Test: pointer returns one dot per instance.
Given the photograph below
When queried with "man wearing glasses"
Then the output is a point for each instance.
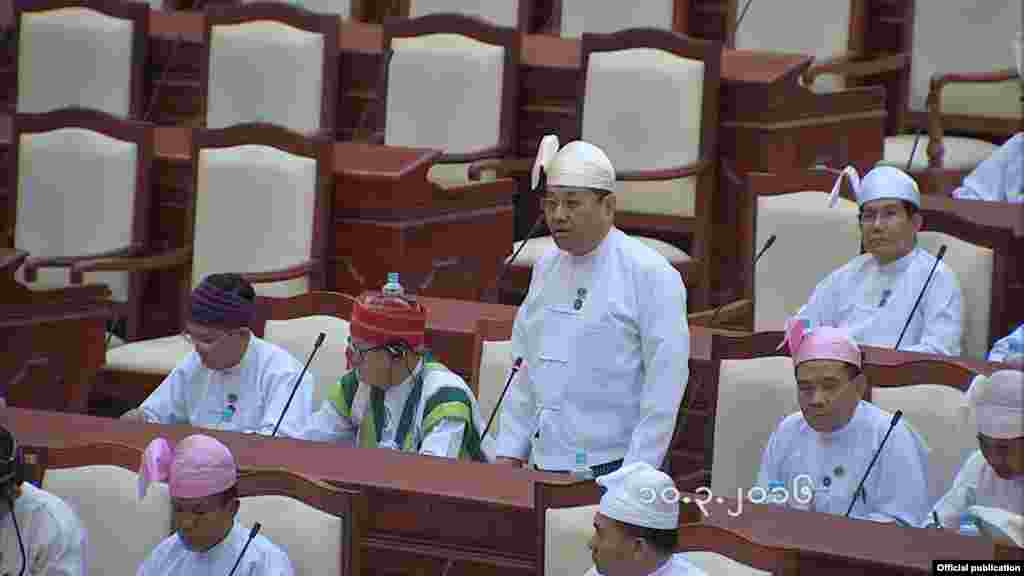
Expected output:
(232, 380)
(872, 295)
(394, 395)
(602, 332)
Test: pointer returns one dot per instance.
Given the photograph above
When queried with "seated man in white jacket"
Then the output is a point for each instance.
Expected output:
(834, 436)
(207, 541)
(232, 380)
(993, 476)
(51, 533)
(636, 526)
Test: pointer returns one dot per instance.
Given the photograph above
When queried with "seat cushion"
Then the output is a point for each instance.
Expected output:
(566, 533)
(495, 364)
(959, 153)
(156, 356)
(298, 335)
(536, 248)
(312, 539)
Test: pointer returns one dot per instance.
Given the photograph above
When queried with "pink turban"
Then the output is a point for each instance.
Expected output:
(821, 343)
(199, 466)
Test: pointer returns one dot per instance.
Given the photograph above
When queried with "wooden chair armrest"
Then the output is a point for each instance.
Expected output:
(11, 259)
(176, 257)
(502, 167)
(32, 265)
(298, 271)
(855, 65)
(938, 81)
(665, 173)
(738, 312)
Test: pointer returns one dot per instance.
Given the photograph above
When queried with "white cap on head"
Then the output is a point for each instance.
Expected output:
(642, 496)
(578, 164)
(881, 182)
(998, 402)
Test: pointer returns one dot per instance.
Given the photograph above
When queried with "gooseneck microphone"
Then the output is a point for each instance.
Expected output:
(495, 286)
(515, 368)
(860, 486)
(17, 533)
(319, 341)
(913, 149)
(767, 244)
(942, 252)
(252, 534)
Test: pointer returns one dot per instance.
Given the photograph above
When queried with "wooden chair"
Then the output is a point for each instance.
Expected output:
(931, 395)
(100, 483)
(81, 54)
(663, 153)
(281, 178)
(249, 69)
(319, 526)
(515, 14)
(719, 550)
(80, 190)
(450, 82)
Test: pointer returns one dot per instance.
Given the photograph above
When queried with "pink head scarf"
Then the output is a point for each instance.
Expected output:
(199, 466)
(821, 343)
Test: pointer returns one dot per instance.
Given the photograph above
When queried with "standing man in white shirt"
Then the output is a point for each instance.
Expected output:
(602, 333)
(232, 380)
(43, 536)
(872, 295)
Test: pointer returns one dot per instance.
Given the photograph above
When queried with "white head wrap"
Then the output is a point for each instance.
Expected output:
(998, 402)
(578, 164)
(642, 496)
(880, 182)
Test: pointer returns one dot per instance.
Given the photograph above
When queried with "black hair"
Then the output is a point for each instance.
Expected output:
(233, 284)
(910, 207)
(6, 444)
(663, 541)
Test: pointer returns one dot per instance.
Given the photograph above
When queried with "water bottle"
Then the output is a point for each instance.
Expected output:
(392, 294)
(392, 287)
(580, 470)
(968, 526)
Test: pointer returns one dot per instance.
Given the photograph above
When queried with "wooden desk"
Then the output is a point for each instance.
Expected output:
(52, 341)
(427, 511)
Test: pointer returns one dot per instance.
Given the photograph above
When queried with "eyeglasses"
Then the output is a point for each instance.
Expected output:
(200, 509)
(356, 355)
(886, 216)
(551, 203)
(206, 343)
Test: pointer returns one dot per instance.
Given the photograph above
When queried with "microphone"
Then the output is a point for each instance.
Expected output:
(541, 185)
(17, 532)
(298, 382)
(252, 534)
(860, 487)
(743, 14)
(515, 368)
(913, 149)
(767, 244)
(942, 252)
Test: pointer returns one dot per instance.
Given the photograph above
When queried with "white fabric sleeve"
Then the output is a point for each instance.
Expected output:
(518, 411)
(665, 347)
(167, 404)
(822, 303)
(327, 425)
(902, 487)
(445, 439)
(276, 387)
(990, 179)
(1011, 344)
(962, 494)
(942, 316)
(56, 546)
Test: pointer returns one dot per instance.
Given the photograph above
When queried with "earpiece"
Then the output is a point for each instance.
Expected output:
(395, 349)
(12, 468)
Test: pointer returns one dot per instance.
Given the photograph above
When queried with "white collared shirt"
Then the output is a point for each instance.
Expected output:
(977, 484)
(1008, 347)
(54, 538)
(873, 301)
(262, 557)
(677, 565)
(1000, 177)
(248, 397)
(830, 465)
(606, 348)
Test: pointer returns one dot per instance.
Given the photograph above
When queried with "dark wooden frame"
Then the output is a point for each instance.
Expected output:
(479, 30)
(113, 127)
(349, 505)
(667, 227)
(136, 12)
(915, 372)
(324, 24)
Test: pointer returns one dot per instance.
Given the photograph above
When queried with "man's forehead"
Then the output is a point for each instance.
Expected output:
(568, 191)
(196, 328)
(819, 369)
(883, 204)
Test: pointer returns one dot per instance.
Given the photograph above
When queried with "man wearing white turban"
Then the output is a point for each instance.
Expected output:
(993, 476)
(602, 333)
(872, 295)
(637, 525)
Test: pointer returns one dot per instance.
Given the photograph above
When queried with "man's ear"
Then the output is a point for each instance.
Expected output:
(610, 204)
(917, 221)
(233, 507)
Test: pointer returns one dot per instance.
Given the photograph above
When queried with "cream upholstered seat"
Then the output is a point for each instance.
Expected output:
(579, 16)
(754, 395)
(812, 240)
(251, 68)
(961, 153)
(121, 531)
(80, 57)
(566, 533)
(312, 539)
(972, 265)
(495, 364)
(447, 91)
(298, 336)
(499, 12)
(156, 356)
(942, 416)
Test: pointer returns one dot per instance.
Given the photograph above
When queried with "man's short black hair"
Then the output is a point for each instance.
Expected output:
(233, 284)
(663, 541)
